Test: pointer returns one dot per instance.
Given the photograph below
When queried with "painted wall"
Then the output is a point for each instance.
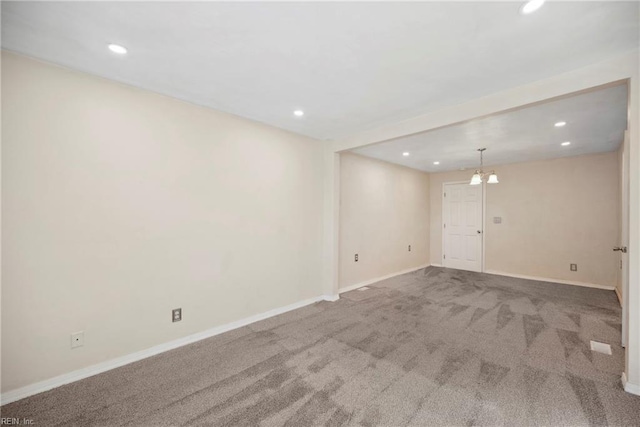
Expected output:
(384, 208)
(554, 213)
(120, 205)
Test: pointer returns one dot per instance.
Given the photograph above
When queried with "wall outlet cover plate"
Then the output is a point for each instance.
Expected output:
(77, 339)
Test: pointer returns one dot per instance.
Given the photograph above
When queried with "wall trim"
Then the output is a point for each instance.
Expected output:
(628, 387)
(546, 279)
(79, 374)
(377, 279)
(437, 265)
(619, 295)
(89, 371)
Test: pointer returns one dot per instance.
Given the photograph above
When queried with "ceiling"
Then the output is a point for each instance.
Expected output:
(351, 66)
(595, 123)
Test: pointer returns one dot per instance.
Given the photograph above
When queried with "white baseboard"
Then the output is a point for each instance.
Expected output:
(619, 296)
(39, 387)
(546, 279)
(628, 387)
(331, 298)
(436, 265)
(377, 279)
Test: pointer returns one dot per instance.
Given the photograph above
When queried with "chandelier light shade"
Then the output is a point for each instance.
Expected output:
(479, 174)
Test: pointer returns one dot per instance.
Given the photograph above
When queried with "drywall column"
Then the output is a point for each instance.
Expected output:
(633, 300)
(331, 223)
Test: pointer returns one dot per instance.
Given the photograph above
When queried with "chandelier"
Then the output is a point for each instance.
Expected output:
(479, 174)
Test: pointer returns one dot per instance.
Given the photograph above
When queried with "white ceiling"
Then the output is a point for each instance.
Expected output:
(595, 120)
(349, 66)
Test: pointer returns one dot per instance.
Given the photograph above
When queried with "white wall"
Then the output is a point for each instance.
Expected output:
(384, 208)
(554, 213)
(120, 205)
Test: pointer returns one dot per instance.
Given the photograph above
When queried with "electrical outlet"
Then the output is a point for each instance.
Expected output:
(573, 267)
(356, 258)
(77, 339)
(409, 248)
(176, 314)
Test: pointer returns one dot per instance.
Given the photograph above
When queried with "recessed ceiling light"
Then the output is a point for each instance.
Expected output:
(436, 163)
(531, 6)
(116, 48)
(298, 113)
(406, 153)
(560, 124)
(564, 144)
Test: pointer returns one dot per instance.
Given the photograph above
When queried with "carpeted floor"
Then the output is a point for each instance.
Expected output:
(435, 347)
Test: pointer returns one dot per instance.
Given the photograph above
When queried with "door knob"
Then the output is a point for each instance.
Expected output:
(622, 249)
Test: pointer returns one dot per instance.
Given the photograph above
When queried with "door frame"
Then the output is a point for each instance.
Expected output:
(482, 221)
(624, 235)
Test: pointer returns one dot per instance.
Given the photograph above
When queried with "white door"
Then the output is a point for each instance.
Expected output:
(462, 226)
(624, 237)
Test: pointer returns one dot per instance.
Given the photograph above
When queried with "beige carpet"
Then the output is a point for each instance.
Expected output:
(435, 347)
